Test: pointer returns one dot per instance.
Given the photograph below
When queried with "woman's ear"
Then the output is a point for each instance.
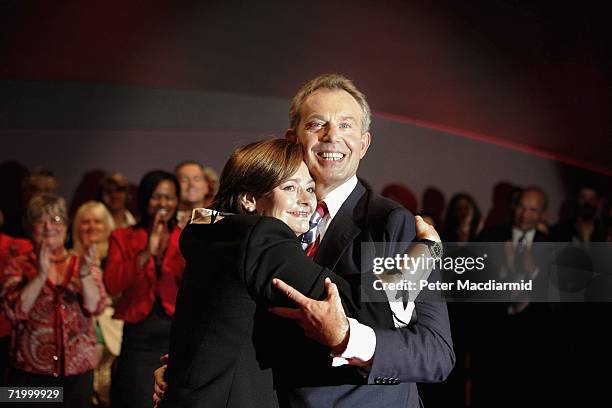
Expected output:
(248, 203)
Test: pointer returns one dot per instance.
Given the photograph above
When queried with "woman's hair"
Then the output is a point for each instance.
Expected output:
(111, 181)
(212, 178)
(146, 188)
(107, 220)
(42, 204)
(257, 169)
(451, 223)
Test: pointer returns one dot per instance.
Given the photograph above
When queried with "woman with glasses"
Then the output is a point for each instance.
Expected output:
(50, 296)
(143, 270)
(114, 193)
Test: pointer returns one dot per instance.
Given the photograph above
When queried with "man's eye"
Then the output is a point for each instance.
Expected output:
(345, 125)
(315, 125)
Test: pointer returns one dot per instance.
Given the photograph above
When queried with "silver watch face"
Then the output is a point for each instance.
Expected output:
(436, 249)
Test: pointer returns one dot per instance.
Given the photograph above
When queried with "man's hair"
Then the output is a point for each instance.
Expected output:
(187, 163)
(37, 172)
(257, 169)
(539, 191)
(333, 82)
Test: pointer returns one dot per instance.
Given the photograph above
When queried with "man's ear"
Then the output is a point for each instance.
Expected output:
(291, 135)
(366, 138)
(248, 203)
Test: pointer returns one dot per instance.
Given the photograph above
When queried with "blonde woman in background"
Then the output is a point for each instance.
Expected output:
(212, 178)
(91, 229)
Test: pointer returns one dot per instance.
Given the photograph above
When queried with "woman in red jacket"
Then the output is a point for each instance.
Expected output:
(143, 269)
(9, 248)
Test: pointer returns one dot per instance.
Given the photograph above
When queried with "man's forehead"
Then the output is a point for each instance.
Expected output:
(190, 168)
(532, 198)
(325, 101)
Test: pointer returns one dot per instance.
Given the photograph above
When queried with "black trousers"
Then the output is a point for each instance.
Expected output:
(77, 388)
(141, 347)
(5, 343)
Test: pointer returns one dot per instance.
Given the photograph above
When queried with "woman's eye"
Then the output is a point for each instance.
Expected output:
(289, 188)
(311, 190)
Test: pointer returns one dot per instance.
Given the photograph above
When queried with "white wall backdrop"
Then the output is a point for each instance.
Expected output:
(73, 128)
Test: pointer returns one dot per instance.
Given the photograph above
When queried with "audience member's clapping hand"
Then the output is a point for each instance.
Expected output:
(91, 255)
(44, 261)
(528, 264)
(323, 321)
(160, 382)
(158, 239)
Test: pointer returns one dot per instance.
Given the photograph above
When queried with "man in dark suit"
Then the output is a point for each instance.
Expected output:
(528, 213)
(514, 347)
(391, 346)
(387, 352)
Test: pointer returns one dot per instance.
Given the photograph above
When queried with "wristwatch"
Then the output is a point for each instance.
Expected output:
(435, 248)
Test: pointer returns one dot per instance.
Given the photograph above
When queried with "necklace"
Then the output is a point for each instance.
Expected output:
(60, 260)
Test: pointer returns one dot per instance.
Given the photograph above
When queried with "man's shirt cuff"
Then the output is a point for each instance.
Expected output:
(360, 348)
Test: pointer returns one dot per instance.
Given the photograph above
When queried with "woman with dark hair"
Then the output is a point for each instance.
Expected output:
(113, 191)
(462, 222)
(233, 252)
(143, 269)
(223, 342)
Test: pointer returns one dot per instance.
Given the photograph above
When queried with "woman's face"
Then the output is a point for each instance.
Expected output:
(164, 201)
(115, 197)
(91, 228)
(292, 202)
(49, 230)
(464, 211)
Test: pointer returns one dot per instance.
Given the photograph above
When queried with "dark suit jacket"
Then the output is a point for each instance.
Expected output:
(503, 233)
(230, 265)
(421, 352)
(511, 354)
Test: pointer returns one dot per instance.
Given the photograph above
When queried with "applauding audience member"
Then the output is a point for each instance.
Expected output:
(194, 189)
(585, 226)
(9, 247)
(113, 192)
(50, 295)
(91, 230)
(462, 222)
(143, 269)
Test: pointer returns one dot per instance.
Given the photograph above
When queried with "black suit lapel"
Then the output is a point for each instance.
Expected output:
(343, 229)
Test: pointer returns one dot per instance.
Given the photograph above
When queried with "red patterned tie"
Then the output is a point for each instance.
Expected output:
(321, 211)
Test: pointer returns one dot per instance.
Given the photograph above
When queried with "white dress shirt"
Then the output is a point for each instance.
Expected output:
(362, 339)
(518, 233)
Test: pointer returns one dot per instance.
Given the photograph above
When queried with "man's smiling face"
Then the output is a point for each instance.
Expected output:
(330, 133)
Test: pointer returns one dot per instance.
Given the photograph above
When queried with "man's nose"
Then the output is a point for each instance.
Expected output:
(331, 133)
